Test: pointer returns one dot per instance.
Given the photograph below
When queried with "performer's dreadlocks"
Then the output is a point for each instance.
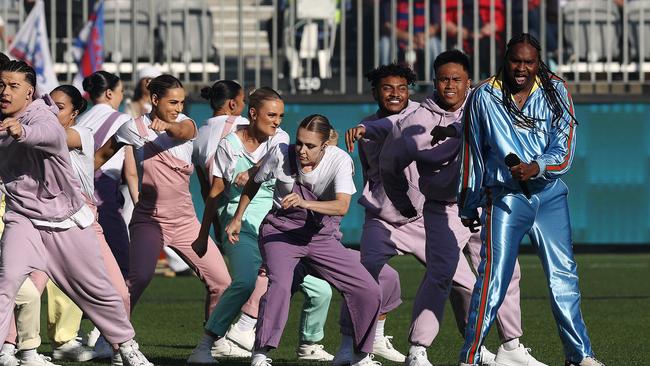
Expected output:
(558, 106)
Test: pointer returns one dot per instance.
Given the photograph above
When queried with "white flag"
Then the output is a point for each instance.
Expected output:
(31, 45)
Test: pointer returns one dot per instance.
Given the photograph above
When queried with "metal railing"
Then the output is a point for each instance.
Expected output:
(326, 46)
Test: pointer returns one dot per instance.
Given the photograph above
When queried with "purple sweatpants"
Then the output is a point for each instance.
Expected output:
(109, 210)
(391, 293)
(381, 241)
(73, 261)
(339, 266)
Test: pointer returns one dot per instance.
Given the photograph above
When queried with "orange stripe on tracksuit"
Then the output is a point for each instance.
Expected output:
(486, 279)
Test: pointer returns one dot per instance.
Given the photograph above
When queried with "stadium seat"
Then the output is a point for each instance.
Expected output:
(187, 23)
(118, 34)
(585, 43)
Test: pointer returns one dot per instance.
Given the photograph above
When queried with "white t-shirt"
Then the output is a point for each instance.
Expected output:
(205, 145)
(83, 160)
(332, 175)
(93, 119)
(225, 160)
(128, 134)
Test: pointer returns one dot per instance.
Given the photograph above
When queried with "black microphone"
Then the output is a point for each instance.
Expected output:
(513, 160)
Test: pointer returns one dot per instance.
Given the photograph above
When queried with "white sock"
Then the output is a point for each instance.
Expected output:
(379, 331)
(8, 349)
(246, 323)
(28, 353)
(346, 342)
(207, 341)
(417, 349)
(512, 344)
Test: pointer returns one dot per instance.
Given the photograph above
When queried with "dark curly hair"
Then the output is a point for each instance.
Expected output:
(393, 69)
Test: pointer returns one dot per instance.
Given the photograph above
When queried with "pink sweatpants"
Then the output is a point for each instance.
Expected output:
(73, 261)
(173, 224)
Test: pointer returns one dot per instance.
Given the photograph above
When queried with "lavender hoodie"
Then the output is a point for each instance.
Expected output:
(35, 169)
(437, 165)
(374, 198)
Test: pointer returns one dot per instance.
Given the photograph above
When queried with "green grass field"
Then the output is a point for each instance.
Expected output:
(615, 304)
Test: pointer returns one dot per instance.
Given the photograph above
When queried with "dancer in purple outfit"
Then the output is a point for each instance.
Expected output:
(313, 188)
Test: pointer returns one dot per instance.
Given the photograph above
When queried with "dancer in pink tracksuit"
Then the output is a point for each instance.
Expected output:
(164, 214)
(82, 152)
(103, 120)
(437, 162)
(313, 188)
(47, 222)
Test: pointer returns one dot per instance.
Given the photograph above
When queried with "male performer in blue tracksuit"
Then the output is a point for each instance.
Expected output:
(524, 110)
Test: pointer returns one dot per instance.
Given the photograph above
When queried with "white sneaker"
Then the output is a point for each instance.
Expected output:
(517, 357)
(131, 355)
(116, 360)
(487, 357)
(343, 356)
(38, 360)
(260, 360)
(417, 359)
(103, 349)
(201, 356)
(367, 361)
(73, 350)
(587, 361)
(384, 348)
(8, 360)
(225, 348)
(313, 352)
(92, 336)
(245, 339)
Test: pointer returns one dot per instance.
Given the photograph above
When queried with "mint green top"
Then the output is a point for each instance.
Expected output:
(258, 207)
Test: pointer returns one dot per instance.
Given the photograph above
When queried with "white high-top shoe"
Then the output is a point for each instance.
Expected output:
(131, 355)
(244, 339)
(38, 360)
(417, 359)
(519, 356)
(367, 361)
(313, 352)
(225, 348)
(384, 348)
(73, 350)
(8, 360)
(487, 357)
(260, 360)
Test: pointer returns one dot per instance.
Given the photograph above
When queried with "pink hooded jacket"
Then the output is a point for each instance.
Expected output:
(437, 165)
(374, 198)
(35, 170)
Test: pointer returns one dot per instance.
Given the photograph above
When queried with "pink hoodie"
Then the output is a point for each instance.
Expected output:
(411, 142)
(35, 169)
(374, 198)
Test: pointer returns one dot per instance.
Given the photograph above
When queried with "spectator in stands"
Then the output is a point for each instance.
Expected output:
(422, 33)
(484, 33)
